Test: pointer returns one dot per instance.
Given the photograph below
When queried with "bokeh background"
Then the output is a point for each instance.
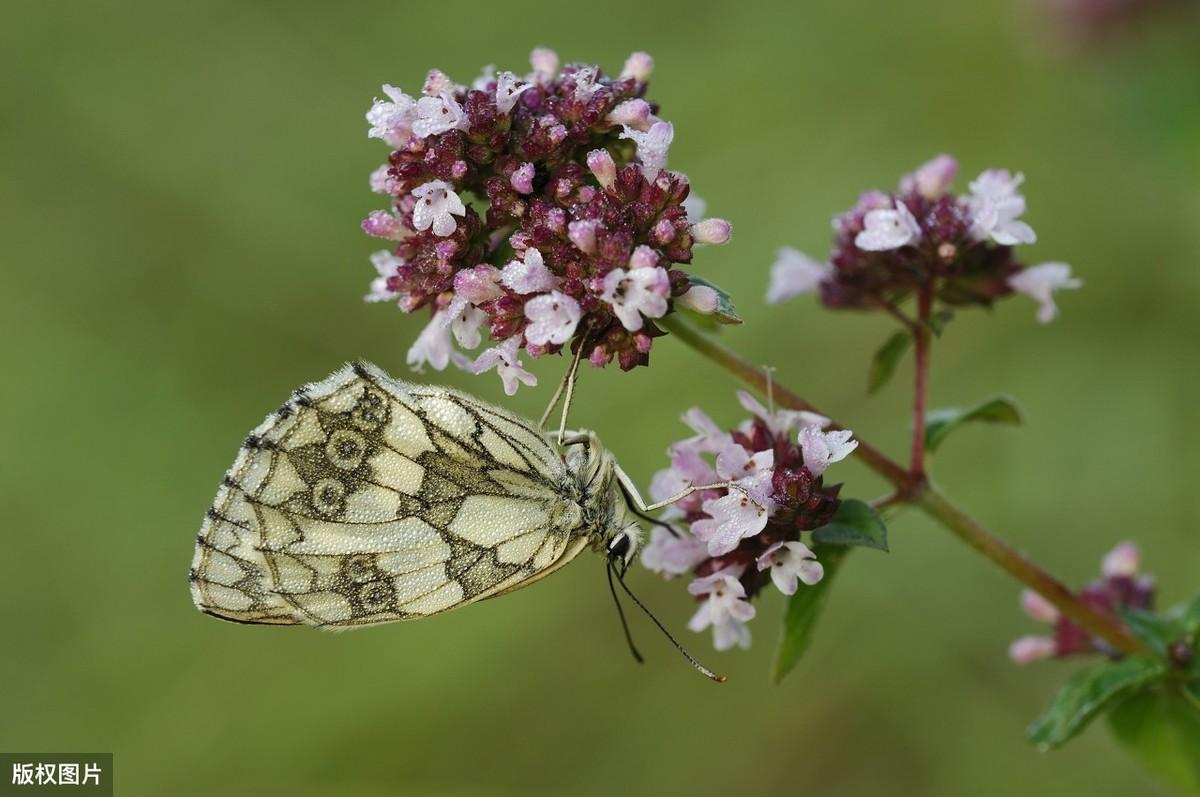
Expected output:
(182, 185)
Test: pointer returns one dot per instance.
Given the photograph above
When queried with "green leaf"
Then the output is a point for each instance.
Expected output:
(855, 523)
(938, 321)
(884, 363)
(1187, 614)
(803, 609)
(1162, 730)
(1157, 633)
(1191, 692)
(725, 312)
(1088, 693)
(939, 423)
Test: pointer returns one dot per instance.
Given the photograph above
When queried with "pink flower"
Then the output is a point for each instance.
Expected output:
(821, 449)
(466, 323)
(791, 563)
(743, 512)
(635, 113)
(436, 207)
(507, 91)
(438, 82)
(793, 274)
(392, 121)
(437, 115)
(995, 205)
(381, 180)
(602, 166)
(583, 234)
(638, 66)
(385, 224)
(725, 609)
(1029, 649)
(522, 179)
(1121, 561)
(712, 231)
(1038, 608)
(506, 360)
(931, 180)
(552, 318)
(479, 284)
(385, 264)
(1040, 282)
(888, 229)
(529, 275)
(636, 293)
(781, 422)
(433, 345)
(545, 65)
(671, 555)
(652, 146)
(701, 299)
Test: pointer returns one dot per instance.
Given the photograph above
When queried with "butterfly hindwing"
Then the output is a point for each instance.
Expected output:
(367, 500)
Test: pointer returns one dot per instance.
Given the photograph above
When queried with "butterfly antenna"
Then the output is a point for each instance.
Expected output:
(770, 373)
(621, 613)
(703, 670)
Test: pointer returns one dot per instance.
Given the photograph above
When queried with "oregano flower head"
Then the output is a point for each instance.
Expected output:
(737, 540)
(1120, 587)
(960, 247)
(538, 207)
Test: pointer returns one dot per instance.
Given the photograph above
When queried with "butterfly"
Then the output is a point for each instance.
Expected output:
(367, 500)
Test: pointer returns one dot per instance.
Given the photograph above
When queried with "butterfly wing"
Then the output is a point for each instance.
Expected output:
(368, 500)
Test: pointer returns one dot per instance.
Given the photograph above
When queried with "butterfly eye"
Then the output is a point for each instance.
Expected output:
(619, 547)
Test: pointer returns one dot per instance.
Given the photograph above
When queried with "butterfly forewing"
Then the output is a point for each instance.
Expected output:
(368, 500)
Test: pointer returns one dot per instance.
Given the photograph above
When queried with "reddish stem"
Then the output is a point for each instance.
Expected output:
(921, 382)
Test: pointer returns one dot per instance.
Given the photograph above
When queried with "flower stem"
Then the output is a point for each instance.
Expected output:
(921, 382)
(920, 492)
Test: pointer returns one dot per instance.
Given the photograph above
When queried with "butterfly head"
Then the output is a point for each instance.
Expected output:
(623, 546)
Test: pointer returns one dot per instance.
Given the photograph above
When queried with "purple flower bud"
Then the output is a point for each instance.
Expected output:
(638, 66)
(602, 166)
(583, 235)
(663, 232)
(436, 83)
(643, 257)
(545, 64)
(383, 224)
(701, 299)
(634, 113)
(522, 179)
(712, 231)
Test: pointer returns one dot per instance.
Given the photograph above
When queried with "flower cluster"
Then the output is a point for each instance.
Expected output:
(890, 245)
(1120, 586)
(539, 207)
(739, 538)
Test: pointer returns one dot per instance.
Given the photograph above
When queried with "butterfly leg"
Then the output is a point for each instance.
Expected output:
(567, 384)
(640, 503)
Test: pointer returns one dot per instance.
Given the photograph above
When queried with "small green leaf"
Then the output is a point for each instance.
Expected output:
(855, 523)
(938, 321)
(803, 610)
(1157, 633)
(1188, 616)
(939, 423)
(1191, 691)
(1089, 692)
(1162, 730)
(725, 312)
(884, 363)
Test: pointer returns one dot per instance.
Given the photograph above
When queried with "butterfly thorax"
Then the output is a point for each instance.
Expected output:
(597, 491)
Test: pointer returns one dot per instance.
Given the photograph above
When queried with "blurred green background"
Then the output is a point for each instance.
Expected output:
(182, 190)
